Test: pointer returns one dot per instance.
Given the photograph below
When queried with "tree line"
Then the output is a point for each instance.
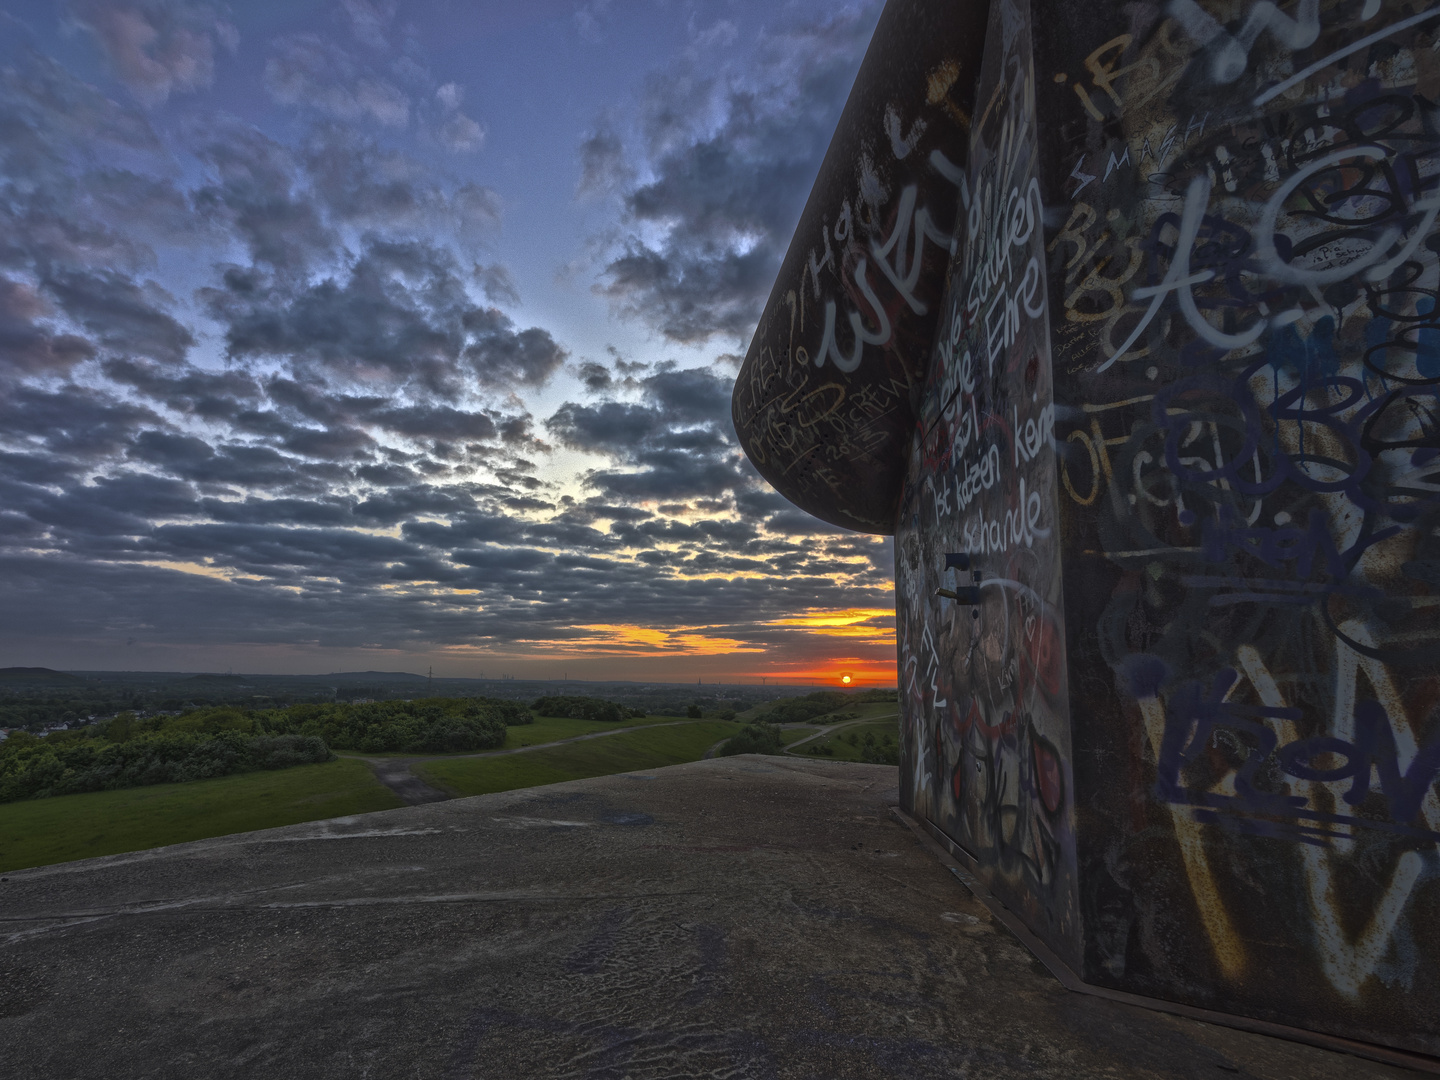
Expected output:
(797, 710)
(575, 707)
(132, 751)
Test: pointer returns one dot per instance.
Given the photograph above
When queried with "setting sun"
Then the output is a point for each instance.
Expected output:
(845, 679)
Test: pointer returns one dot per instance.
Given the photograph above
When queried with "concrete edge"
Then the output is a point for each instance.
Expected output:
(958, 861)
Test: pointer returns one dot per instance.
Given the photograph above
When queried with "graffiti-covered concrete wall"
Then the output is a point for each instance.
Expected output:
(987, 746)
(1244, 274)
(825, 403)
(1181, 411)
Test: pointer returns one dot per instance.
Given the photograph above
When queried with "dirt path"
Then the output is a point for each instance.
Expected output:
(395, 772)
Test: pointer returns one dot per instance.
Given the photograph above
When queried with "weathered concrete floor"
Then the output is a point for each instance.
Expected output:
(739, 917)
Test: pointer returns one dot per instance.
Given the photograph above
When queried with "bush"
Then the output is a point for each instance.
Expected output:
(694, 712)
(799, 709)
(877, 694)
(880, 754)
(129, 751)
(754, 739)
(580, 708)
(427, 726)
(36, 768)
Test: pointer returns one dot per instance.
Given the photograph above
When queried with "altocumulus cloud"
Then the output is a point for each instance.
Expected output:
(324, 430)
(719, 161)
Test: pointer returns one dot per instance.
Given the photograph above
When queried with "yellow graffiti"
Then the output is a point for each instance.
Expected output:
(1224, 941)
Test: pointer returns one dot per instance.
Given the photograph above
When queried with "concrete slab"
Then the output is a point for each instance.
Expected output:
(737, 917)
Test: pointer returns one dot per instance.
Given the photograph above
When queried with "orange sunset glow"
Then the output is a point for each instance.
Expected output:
(800, 649)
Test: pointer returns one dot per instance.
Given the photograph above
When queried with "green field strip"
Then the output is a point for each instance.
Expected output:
(38, 832)
(625, 752)
(547, 730)
(553, 729)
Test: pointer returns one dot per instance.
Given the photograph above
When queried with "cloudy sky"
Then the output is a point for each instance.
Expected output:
(373, 335)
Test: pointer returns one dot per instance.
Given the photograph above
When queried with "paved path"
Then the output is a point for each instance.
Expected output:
(751, 917)
(395, 772)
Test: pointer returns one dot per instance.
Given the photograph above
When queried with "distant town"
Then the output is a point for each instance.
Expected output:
(41, 700)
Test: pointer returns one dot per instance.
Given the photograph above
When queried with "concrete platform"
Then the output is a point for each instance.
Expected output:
(739, 917)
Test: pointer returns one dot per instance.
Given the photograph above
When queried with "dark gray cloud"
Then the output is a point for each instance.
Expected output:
(124, 317)
(365, 185)
(75, 422)
(54, 214)
(329, 444)
(49, 116)
(719, 199)
(687, 409)
(401, 310)
(27, 346)
(615, 428)
(499, 286)
(676, 443)
(437, 422)
(500, 355)
(153, 209)
(596, 377)
(235, 466)
(258, 192)
(209, 395)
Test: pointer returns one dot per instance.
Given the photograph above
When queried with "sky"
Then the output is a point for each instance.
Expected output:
(365, 335)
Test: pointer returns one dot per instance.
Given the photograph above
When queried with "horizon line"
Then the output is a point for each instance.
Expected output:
(760, 680)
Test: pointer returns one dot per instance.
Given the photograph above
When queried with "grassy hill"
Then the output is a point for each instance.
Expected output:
(39, 832)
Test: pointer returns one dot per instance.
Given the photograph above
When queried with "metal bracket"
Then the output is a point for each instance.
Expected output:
(963, 594)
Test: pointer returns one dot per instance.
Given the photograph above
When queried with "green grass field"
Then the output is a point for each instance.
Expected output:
(39, 832)
(840, 740)
(790, 735)
(552, 729)
(544, 730)
(577, 761)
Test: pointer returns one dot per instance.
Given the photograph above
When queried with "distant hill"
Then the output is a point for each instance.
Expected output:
(35, 674)
(216, 678)
(372, 675)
